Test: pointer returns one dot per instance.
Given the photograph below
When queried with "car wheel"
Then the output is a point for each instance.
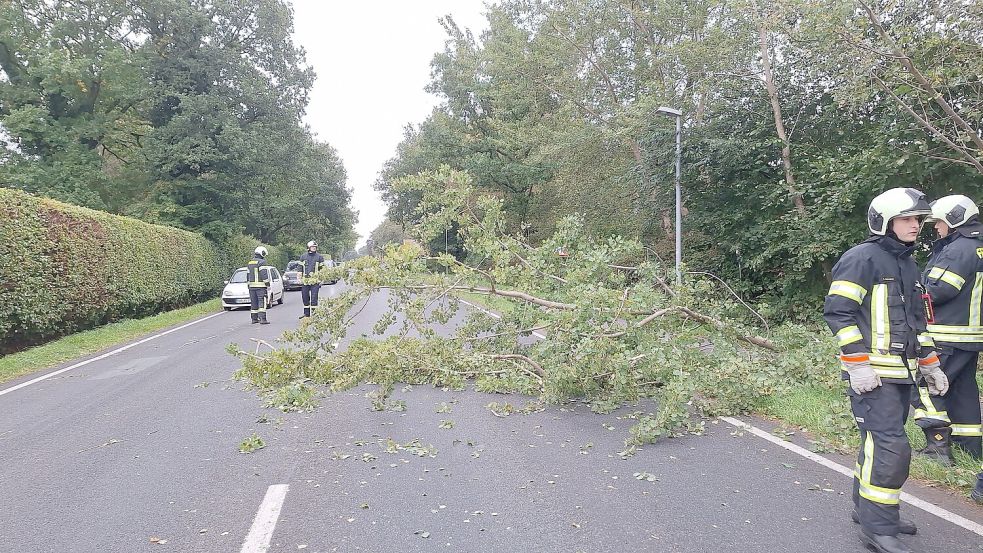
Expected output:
(280, 301)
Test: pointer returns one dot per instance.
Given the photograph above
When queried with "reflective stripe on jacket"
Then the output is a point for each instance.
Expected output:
(257, 275)
(954, 279)
(874, 306)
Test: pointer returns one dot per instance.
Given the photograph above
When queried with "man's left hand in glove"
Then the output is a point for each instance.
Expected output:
(931, 370)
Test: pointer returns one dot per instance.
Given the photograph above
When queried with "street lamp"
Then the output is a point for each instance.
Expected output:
(679, 164)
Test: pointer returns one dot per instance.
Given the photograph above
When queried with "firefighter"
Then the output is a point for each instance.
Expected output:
(258, 279)
(309, 291)
(874, 308)
(953, 279)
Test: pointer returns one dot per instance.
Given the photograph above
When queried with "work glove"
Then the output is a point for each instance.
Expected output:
(931, 370)
(862, 377)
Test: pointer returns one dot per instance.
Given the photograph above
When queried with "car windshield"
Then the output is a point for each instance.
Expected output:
(238, 276)
(294, 266)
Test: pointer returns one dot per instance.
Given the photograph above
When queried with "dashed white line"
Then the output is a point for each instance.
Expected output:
(949, 516)
(261, 532)
(105, 355)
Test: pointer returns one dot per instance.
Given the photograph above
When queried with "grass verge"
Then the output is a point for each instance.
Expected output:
(825, 414)
(91, 341)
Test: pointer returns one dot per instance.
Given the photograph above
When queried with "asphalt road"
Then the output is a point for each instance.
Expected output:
(139, 452)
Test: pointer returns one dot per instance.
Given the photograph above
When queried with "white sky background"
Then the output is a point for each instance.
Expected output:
(372, 59)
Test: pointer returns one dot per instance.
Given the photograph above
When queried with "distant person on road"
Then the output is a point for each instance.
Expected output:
(953, 278)
(258, 279)
(875, 309)
(313, 262)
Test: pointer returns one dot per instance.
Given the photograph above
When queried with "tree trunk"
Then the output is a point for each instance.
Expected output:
(776, 109)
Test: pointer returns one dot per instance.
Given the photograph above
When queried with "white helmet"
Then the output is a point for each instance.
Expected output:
(896, 202)
(954, 210)
(312, 244)
(261, 251)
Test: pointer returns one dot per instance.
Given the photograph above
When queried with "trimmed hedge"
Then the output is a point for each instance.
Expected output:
(65, 268)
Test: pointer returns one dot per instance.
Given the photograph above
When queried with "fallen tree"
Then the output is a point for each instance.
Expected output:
(597, 321)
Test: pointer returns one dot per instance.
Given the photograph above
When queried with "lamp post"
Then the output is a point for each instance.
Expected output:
(679, 164)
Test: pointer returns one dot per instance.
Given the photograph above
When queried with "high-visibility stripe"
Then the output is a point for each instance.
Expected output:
(929, 410)
(948, 277)
(868, 465)
(849, 335)
(974, 304)
(879, 318)
(960, 338)
(887, 360)
(889, 366)
(967, 430)
(935, 415)
(848, 289)
(877, 494)
(955, 329)
(925, 340)
(890, 373)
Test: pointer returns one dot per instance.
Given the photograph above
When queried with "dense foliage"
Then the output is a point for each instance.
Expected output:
(186, 113)
(67, 268)
(600, 322)
(796, 113)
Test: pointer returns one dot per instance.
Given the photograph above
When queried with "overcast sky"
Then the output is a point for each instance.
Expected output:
(372, 60)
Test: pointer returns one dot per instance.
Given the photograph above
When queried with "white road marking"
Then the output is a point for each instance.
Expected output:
(495, 315)
(949, 516)
(105, 355)
(258, 539)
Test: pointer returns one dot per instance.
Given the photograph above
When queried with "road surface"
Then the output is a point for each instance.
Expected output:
(138, 451)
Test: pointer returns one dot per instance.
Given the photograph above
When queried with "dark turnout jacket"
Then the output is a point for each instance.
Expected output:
(953, 278)
(874, 306)
(256, 275)
(312, 262)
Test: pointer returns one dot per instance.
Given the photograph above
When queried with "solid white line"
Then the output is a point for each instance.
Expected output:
(260, 534)
(105, 355)
(974, 527)
(495, 315)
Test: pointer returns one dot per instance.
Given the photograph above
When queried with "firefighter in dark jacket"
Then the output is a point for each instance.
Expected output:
(258, 280)
(875, 308)
(309, 290)
(953, 278)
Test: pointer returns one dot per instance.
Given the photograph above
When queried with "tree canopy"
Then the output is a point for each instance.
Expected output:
(181, 112)
(795, 115)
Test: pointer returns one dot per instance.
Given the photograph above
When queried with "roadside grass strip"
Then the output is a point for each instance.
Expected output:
(90, 341)
(103, 356)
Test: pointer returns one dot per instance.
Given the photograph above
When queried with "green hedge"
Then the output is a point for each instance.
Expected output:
(65, 268)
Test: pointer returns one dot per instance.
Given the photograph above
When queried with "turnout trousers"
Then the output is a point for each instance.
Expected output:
(308, 293)
(885, 455)
(959, 408)
(257, 303)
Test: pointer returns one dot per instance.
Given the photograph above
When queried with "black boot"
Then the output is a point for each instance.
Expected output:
(253, 319)
(262, 319)
(883, 544)
(905, 526)
(977, 494)
(939, 447)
